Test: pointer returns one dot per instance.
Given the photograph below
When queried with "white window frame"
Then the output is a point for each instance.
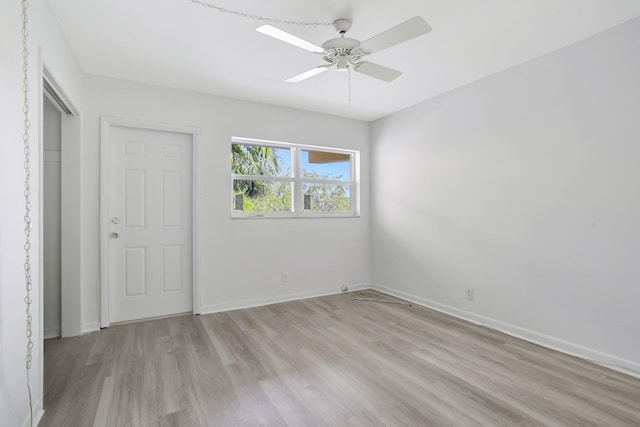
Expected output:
(297, 181)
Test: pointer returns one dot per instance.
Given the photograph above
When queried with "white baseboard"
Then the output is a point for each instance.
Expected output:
(51, 333)
(610, 361)
(90, 327)
(38, 412)
(257, 302)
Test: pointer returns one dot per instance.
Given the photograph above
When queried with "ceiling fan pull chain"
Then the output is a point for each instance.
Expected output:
(258, 17)
(349, 87)
(27, 199)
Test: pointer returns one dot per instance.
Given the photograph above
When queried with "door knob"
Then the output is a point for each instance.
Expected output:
(114, 235)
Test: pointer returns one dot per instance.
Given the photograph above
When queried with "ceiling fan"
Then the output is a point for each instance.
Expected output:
(344, 53)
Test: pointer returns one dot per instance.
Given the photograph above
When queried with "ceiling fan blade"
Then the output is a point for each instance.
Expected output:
(377, 71)
(288, 38)
(408, 30)
(307, 74)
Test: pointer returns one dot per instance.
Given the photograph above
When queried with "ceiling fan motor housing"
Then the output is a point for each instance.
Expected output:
(342, 50)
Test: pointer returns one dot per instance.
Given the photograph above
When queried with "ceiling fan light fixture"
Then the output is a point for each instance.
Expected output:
(342, 64)
(288, 38)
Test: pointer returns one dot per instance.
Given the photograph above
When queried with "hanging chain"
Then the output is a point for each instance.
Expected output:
(258, 17)
(27, 196)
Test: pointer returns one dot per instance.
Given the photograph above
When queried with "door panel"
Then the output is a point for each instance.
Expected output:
(134, 198)
(171, 199)
(150, 213)
(171, 268)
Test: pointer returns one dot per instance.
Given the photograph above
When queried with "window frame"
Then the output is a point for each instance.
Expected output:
(297, 181)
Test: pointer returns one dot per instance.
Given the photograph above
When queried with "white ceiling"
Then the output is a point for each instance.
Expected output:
(180, 44)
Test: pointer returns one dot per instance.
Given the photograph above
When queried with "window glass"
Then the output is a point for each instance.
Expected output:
(262, 196)
(327, 197)
(260, 160)
(326, 165)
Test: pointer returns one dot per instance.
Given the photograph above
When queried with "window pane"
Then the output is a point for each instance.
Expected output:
(262, 196)
(327, 165)
(260, 160)
(327, 197)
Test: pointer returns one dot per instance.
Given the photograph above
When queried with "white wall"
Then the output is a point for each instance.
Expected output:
(524, 186)
(242, 259)
(46, 45)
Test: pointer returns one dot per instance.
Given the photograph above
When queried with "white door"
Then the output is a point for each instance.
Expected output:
(150, 223)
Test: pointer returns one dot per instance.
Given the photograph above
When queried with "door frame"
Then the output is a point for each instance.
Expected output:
(70, 210)
(106, 124)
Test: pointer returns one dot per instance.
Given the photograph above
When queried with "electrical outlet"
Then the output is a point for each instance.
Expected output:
(470, 294)
(285, 277)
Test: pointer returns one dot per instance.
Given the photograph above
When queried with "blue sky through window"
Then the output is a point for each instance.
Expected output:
(333, 170)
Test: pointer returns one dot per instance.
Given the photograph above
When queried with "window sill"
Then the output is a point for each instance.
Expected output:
(290, 216)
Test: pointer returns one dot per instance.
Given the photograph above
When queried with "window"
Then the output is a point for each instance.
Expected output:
(275, 179)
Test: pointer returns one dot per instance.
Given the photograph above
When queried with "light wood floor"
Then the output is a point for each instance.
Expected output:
(328, 361)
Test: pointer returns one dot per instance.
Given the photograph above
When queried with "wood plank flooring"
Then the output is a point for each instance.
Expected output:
(329, 361)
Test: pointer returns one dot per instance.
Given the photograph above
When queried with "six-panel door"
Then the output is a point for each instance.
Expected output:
(150, 224)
